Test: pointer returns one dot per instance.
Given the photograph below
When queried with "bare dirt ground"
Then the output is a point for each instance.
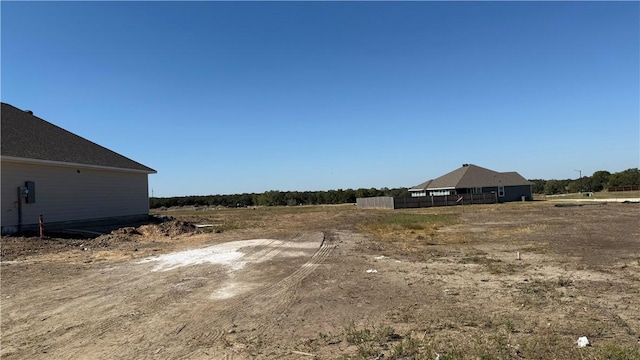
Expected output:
(332, 282)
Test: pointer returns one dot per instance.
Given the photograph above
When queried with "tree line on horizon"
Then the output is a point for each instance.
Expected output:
(599, 181)
(277, 198)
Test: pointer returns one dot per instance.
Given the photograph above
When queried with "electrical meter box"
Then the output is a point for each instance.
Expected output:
(31, 194)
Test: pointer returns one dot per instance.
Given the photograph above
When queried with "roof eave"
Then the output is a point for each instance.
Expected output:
(68, 164)
(441, 188)
(481, 186)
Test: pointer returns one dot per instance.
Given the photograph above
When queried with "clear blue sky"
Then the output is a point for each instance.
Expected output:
(233, 97)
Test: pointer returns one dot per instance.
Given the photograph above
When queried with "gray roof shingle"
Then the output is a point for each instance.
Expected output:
(27, 136)
(471, 176)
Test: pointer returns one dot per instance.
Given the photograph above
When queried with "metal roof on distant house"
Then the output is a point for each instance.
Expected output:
(25, 136)
(472, 176)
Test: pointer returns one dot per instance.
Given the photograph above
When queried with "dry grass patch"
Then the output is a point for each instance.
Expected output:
(493, 266)
(401, 227)
(283, 219)
(407, 234)
(519, 230)
(496, 338)
(535, 247)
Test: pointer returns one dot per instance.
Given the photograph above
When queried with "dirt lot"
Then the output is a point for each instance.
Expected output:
(333, 282)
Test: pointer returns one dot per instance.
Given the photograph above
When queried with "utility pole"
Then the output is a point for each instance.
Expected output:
(580, 171)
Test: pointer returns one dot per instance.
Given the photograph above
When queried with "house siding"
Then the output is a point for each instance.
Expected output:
(72, 193)
(515, 193)
(511, 193)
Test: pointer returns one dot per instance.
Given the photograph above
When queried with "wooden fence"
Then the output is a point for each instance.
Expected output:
(624, 188)
(408, 202)
(376, 202)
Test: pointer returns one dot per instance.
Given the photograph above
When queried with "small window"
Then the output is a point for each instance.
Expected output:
(477, 190)
(501, 191)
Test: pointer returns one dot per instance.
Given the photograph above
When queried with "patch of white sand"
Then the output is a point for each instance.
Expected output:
(235, 255)
(229, 290)
(228, 254)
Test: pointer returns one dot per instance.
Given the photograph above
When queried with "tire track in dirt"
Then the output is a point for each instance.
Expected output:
(68, 344)
(90, 332)
(206, 331)
(164, 301)
(274, 298)
(235, 308)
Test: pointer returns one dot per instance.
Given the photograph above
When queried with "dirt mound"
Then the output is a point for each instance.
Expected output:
(28, 245)
(118, 235)
(126, 231)
(176, 227)
(168, 228)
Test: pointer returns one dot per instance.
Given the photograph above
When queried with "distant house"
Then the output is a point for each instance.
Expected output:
(420, 190)
(67, 179)
(472, 179)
